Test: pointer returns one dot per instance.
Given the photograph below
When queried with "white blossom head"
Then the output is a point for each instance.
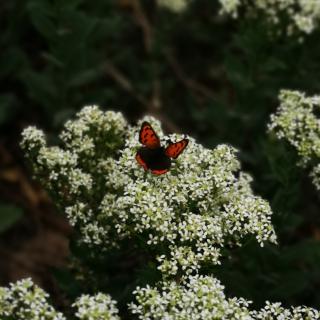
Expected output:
(97, 307)
(24, 300)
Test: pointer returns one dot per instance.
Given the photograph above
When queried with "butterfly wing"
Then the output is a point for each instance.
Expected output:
(148, 137)
(140, 160)
(173, 150)
(158, 172)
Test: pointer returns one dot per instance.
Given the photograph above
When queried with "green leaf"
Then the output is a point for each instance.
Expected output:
(42, 17)
(9, 215)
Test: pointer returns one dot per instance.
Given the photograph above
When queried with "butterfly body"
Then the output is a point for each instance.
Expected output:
(153, 156)
(155, 159)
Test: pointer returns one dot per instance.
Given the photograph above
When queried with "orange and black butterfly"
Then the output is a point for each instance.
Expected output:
(153, 156)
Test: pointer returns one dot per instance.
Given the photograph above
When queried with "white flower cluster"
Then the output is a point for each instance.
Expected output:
(276, 311)
(300, 15)
(202, 298)
(71, 172)
(296, 121)
(24, 300)
(303, 15)
(203, 203)
(193, 298)
(98, 307)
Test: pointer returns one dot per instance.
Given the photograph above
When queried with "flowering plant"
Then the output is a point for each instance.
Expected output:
(202, 204)
(195, 298)
(203, 298)
(302, 15)
(296, 121)
(24, 300)
(183, 218)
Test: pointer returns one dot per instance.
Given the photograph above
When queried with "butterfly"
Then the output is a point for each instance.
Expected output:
(152, 156)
